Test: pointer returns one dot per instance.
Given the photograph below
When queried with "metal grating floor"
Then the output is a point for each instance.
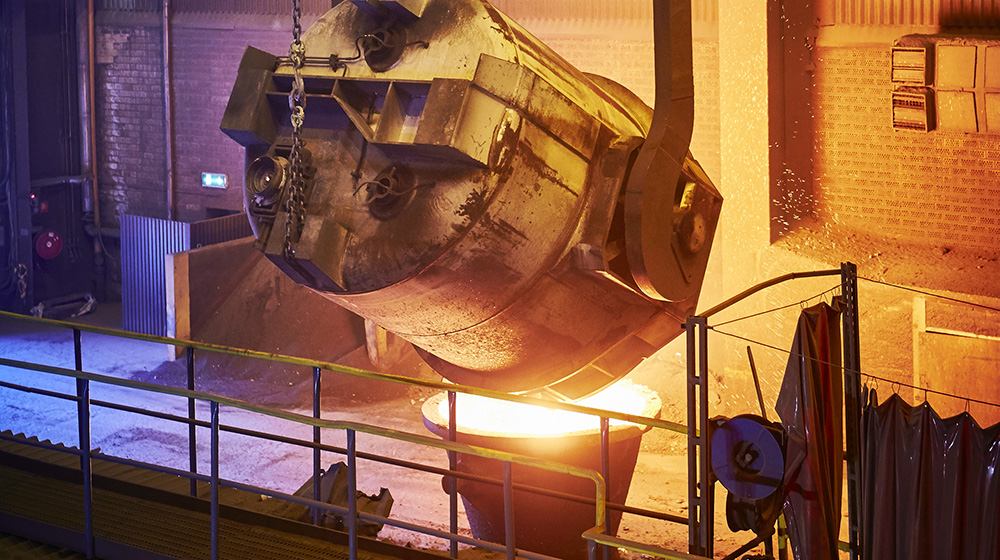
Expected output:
(141, 514)
(16, 548)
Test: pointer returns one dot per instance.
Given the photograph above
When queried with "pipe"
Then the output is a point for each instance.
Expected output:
(88, 142)
(168, 109)
(91, 140)
(766, 284)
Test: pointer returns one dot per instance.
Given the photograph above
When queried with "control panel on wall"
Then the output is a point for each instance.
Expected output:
(946, 82)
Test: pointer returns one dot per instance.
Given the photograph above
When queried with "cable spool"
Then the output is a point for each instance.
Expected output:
(748, 458)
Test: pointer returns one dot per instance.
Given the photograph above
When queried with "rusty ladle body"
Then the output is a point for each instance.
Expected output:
(526, 226)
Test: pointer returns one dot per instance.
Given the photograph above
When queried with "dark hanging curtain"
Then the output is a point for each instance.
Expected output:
(931, 488)
(810, 405)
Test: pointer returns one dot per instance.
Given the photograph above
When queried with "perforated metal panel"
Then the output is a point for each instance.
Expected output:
(939, 189)
(701, 10)
(246, 7)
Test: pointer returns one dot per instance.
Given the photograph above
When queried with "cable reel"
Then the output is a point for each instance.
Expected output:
(748, 458)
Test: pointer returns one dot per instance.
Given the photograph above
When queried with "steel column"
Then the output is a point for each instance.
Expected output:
(352, 494)
(852, 405)
(83, 425)
(452, 481)
(317, 467)
(606, 473)
(508, 512)
(192, 429)
(701, 491)
(19, 195)
(215, 481)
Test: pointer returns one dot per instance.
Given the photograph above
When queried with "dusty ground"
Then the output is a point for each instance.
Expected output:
(660, 480)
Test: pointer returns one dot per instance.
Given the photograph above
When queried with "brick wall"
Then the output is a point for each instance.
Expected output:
(130, 110)
(939, 188)
(129, 104)
(206, 60)
(206, 54)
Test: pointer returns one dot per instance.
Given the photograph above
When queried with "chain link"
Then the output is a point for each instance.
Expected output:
(295, 206)
(22, 283)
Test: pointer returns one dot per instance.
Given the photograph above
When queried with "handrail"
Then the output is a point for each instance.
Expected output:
(601, 504)
(350, 428)
(358, 372)
(766, 284)
(327, 424)
(596, 535)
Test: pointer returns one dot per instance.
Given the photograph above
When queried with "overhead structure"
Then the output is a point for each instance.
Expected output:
(528, 227)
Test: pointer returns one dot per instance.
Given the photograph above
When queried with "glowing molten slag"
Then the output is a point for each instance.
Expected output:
(484, 415)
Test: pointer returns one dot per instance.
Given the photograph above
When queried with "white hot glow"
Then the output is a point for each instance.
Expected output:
(481, 414)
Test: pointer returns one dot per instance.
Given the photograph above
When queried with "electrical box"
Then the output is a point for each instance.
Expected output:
(949, 83)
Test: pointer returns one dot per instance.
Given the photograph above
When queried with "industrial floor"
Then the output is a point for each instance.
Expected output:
(141, 515)
(659, 483)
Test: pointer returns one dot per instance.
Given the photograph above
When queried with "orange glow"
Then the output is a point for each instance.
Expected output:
(482, 415)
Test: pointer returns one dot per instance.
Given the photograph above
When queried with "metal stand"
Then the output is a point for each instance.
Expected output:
(701, 490)
(701, 497)
(852, 404)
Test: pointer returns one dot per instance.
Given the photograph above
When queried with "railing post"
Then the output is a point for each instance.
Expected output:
(452, 481)
(606, 473)
(86, 461)
(317, 466)
(701, 507)
(192, 429)
(215, 481)
(852, 406)
(352, 495)
(508, 511)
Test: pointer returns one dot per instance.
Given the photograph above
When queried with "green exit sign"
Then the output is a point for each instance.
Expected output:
(214, 180)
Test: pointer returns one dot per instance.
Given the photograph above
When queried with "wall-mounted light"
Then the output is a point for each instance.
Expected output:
(214, 180)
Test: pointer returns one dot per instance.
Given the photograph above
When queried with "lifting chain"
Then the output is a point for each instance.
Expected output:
(22, 284)
(297, 103)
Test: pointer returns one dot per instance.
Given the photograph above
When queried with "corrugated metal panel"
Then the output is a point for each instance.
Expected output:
(145, 244)
(969, 13)
(701, 10)
(250, 7)
(129, 5)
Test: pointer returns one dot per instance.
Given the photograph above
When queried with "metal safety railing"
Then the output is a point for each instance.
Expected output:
(351, 515)
(596, 537)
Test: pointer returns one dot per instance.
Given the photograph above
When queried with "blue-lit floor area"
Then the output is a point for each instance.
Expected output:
(275, 466)
(659, 481)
